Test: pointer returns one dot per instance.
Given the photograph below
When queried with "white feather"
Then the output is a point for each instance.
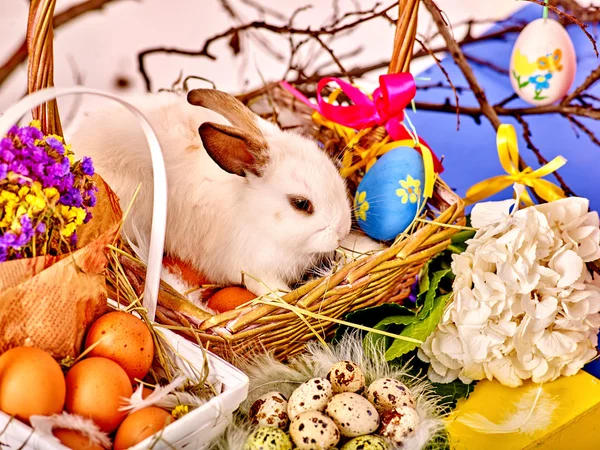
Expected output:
(533, 412)
(267, 374)
(136, 402)
(45, 424)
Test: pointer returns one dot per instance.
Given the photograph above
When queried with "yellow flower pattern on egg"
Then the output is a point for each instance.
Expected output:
(361, 205)
(410, 190)
(522, 66)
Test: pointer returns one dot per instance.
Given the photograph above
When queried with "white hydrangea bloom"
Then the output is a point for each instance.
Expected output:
(525, 306)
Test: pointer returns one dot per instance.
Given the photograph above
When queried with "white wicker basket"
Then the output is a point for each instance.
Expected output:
(197, 429)
(194, 431)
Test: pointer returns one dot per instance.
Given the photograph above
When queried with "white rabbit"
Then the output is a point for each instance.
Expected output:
(243, 195)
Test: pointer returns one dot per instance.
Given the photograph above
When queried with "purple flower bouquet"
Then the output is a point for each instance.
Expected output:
(56, 218)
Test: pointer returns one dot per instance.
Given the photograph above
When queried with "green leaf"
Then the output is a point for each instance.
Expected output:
(396, 320)
(452, 392)
(373, 338)
(418, 330)
(462, 236)
(370, 317)
(424, 278)
(432, 292)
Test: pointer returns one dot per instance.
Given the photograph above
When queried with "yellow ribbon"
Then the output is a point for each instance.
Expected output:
(508, 152)
(368, 156)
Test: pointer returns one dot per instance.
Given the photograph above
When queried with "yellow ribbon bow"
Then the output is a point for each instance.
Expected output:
(508, 152)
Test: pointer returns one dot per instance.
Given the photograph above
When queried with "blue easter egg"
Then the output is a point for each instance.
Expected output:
(391, 192)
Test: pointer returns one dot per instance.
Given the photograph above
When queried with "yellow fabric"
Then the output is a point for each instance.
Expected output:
(574, 424)
(508, 152)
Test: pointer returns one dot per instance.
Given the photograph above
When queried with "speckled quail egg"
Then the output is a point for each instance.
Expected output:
(314, 430)
(353, 414)
(399, 423)
(386, 394)
(268, 438)
(346, 376)
(310, 396)
(366, 443)
(270, 410)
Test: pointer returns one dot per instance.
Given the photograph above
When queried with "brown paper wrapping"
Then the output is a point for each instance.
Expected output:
(50, 301)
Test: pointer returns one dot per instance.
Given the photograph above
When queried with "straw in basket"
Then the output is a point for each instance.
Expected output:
(284, 327)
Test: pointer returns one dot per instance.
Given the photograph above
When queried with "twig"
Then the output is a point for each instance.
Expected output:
(588, 82)
(488, 64)
(568, 17)
(264, 10)
(476, 112)
(461, 61)
(60, 19)
(578, 124)
(441, 85)
(585, 14)
(541, 160)
(530, 145)
(439, 64)
(335, 58)
(255, 25)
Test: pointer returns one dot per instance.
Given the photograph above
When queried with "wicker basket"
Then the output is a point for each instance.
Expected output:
(386, 276)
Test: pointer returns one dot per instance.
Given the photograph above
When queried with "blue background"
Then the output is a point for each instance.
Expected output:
(470, 153)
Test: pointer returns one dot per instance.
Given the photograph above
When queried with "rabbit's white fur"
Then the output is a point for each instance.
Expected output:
(223, 224)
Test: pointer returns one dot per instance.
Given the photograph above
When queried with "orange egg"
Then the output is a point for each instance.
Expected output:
(75, 440)
(139, 425)
(229, 298)
(95, 387)
(125, 339)
(146, 392)
(31, 383)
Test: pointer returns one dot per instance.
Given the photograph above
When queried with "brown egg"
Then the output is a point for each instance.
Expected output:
(229, 298)
(125, 339)
(31, 383)
(139, 425)
(75, 440)
(95, 387)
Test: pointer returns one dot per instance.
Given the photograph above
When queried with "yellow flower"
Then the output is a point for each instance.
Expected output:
(361, 205)
(73, 217)
(79, 215)
(68, 229)
(55, 136)
(410, 191)
(37, 203)
(6, 196)
(51, 194)
(35, 124)
(522, 66)
(180, 411)
(23, 191)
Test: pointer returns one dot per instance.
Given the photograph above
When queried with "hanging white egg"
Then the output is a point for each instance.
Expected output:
(543, 62)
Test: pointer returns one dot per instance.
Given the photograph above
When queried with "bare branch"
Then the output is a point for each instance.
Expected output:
(60, 19)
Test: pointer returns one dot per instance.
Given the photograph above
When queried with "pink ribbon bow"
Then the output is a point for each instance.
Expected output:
(390, 99)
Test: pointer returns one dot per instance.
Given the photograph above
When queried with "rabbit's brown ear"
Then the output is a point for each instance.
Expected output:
(233, 149)
(229, 107)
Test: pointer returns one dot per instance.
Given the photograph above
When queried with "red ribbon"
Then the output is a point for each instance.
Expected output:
(390, 99)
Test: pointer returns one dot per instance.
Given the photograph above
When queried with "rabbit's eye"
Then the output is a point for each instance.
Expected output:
(301, 204)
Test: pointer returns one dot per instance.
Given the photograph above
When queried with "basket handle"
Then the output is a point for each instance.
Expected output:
(40, 65)
(404, 38)
(159, 209)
